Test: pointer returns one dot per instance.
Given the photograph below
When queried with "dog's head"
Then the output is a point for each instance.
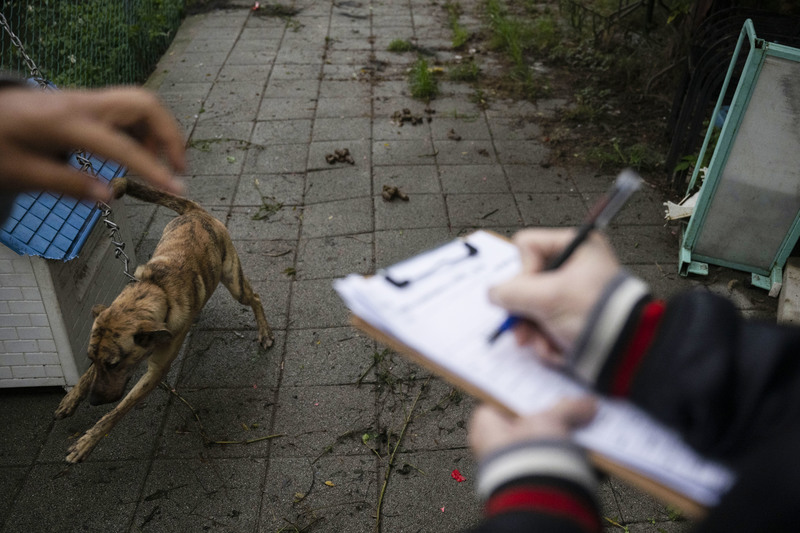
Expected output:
(119, 341)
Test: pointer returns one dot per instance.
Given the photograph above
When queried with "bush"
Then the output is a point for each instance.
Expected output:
(91, 43)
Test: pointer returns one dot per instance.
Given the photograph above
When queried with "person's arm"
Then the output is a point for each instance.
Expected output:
(532, 478)
(694, 362)
(697, 365)
(128, 125)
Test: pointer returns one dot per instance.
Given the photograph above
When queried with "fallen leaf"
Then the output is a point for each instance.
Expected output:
(330, 483)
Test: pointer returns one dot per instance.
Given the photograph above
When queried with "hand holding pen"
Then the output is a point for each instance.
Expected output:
(563, 275)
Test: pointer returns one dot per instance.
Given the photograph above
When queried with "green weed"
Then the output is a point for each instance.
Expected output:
(422, 81)
(468, 71)
(399, 46)
(460, 34)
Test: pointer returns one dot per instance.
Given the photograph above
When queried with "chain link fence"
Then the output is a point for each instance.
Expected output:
(88, 43)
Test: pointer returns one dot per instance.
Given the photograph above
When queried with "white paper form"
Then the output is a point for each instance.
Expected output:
(437, 305)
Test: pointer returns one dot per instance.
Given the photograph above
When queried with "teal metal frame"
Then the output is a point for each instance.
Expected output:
(767, 276)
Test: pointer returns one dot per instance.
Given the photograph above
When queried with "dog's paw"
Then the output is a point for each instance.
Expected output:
(81, 449)
(265, 339)
(65, 408)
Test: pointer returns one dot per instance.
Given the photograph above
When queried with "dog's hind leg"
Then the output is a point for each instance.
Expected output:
(237, 284)
(74, 397)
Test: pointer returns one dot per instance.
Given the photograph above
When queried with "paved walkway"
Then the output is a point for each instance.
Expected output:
(263, 100)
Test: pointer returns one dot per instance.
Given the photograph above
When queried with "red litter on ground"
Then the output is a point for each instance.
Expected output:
(455, 474)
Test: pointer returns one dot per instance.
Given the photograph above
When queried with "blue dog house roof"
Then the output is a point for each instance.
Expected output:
(55, 227)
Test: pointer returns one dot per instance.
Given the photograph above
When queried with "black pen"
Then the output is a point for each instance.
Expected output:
(601, 214)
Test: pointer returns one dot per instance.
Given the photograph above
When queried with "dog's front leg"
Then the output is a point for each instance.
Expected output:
(74, 397)
(83, 446)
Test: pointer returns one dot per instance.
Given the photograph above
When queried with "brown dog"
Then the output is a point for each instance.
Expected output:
(151, 317)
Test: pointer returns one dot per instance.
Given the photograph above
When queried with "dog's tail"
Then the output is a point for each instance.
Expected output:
(152, 195)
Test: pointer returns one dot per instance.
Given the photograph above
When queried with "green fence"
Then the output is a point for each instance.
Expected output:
(89, 43)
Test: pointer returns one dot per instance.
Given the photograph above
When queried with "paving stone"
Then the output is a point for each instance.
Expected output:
(472, 179)
(482, 210)
(440, 417)
(217, 423)
(282, 224)
(546, 210)
(94, 497)
(178, 495)
(291, 89)
(340, 217)
(389, 130)
(282, 131)
(470, 130)
(230, 359)
(323, 420)
(233, 102)
(521, 152)
(328, 356)
(333, 257)
(340, 182)
(537, 179)
(290, 71)
(359, 151)
(347, 107)
(415, 499)
(393, 246)
(29, 414)
(286, 108)
(266, 260)
(643, 244)
(211, 190)
(421, 211)
(10, 482)
(316, 305)
(276, 158)
(341, 129)
(335, 492)
(403, 152)
(256, 189)
(515, 129)
(217, 158)
(223, 312)
(418, 179)
(450, 152)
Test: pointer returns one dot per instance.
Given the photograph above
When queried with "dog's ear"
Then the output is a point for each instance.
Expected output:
(152, 334)
(97, 309)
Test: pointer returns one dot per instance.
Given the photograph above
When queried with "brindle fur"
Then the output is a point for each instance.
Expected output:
(151, 317)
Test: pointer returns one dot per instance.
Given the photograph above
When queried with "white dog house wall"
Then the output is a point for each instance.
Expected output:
(56, 262)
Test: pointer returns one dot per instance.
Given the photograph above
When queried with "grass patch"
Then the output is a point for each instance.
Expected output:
(515, 37)
(422, 81)
(460, 34)
(468, 71)
(399, 46)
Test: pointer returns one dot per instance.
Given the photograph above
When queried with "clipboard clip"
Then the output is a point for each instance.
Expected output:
(448, 259)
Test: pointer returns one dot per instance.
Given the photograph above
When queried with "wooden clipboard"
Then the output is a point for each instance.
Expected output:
(691, 508)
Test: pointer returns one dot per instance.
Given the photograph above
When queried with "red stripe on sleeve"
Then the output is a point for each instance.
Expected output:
(546, 500)
(637, 347)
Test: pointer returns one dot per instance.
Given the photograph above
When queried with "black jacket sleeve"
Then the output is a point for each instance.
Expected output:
(726, 383)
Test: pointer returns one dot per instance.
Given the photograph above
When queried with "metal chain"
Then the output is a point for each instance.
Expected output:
(32, 68)
(114, 232)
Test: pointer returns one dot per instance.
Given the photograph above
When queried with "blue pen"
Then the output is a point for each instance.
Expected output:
(625, 185)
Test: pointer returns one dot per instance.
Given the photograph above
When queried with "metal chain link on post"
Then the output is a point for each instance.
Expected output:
(114, 232)
(35, 73)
